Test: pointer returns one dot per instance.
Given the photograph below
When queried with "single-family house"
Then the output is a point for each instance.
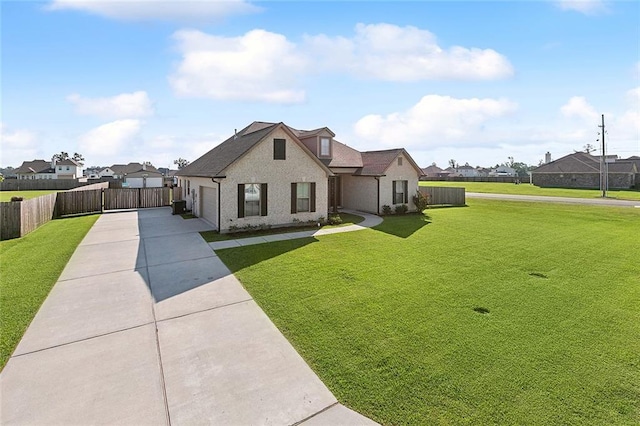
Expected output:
(582, 170)
(136, 175)
(503, 171)
(466, 171)
(434, 171)
(41, 169)
(274, 174)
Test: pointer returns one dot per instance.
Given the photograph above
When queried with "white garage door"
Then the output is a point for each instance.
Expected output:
(209, 203)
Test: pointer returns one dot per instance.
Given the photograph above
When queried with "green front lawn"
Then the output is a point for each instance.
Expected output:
(497, 313)
(528, 189)
(27, 195)
(29, 267)
(211, 236)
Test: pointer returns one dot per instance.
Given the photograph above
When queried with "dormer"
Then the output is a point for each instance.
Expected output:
(319, 141)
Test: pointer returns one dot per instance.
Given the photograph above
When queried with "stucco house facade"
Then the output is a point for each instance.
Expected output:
(273, 174)
(582, 170)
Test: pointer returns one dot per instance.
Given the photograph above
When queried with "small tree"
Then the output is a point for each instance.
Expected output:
(421, 201)
(78, 158)
(181, 163)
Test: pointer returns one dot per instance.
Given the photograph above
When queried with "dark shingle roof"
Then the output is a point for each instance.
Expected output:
(432, 169)
(35, 166)
(344, 156)
(67, 162)
(214, 162)
(120, 169)
(374, 163)
(581, 162)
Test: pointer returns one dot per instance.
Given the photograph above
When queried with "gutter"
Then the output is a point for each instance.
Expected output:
(213, 179)
(378, 198)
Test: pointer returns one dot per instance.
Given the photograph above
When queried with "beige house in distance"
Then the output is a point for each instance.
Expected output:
(273, 174)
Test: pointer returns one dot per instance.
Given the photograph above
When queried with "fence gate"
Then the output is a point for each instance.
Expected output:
(134, 198)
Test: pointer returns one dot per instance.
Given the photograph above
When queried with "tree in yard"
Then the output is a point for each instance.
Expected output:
(181, 163)
(61, 156)
(588, 148)
(78, 158)
(452, 163)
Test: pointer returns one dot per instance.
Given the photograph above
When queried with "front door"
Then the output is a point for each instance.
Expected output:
(335, 193)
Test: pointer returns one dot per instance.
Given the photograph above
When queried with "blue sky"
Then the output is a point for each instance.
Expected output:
(472, 81)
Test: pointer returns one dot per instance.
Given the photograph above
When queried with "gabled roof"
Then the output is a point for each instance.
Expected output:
(375, 163)
(432, 169)
(581, 162)
(344, 156)
(578, 162)
(306, 133)
(35, 166)
(67, 162)
(121, 169)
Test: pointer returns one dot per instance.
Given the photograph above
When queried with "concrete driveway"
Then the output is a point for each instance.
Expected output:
(147, 326)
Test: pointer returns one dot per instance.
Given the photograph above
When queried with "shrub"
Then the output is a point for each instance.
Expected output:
(421, 201)
(17, 198)
(401, 209)
(335, 220)
(386, 210)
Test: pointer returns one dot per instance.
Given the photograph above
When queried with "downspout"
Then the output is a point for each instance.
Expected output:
(378, 198)
(213, 179)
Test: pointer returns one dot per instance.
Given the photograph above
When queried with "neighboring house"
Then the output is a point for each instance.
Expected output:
(169, 175)
(40, 169)
(106, 172)
(273, 174)
(434, 171)
(503, 171)
(136, 175)
(466, 171)
(482, 171)
(582, 170)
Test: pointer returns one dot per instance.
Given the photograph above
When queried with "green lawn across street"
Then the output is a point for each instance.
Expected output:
(528, 189)
(496, 313)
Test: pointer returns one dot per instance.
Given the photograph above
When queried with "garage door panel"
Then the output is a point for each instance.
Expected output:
(209, 203)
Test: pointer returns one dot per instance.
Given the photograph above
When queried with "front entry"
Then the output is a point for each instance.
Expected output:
(335, 193)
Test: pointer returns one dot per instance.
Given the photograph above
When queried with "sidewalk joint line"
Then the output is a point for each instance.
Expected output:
(205, 310)
(313, 415)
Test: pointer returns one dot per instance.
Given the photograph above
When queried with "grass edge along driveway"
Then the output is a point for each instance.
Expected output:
(29, 267)
(392, 320)
(528, 189)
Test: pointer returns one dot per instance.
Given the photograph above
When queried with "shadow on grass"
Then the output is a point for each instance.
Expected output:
(403, 226)
(238, 258)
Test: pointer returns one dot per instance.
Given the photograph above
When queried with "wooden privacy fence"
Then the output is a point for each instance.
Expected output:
(18, 218)
(39, 184)
(440, 195)
(499, 179)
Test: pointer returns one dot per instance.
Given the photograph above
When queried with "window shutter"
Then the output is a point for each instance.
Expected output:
(405, 185)
(294, 197)
(240, 200)
(393, 194)
(263, 199)
(312, 197)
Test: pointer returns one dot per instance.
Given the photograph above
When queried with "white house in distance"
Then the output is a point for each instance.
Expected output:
(135, 175)
(41, 169)
(273, 174)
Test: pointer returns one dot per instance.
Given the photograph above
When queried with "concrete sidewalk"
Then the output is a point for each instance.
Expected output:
(368, 222)
(147, 326)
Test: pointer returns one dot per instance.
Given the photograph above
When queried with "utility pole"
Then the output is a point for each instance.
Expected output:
(603, 164)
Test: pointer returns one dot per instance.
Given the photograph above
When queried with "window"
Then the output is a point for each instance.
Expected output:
(325, 147)
(399, 161)
(60, 168)
(67, 167)
(279, 149)
(252, 199)
(303, 197)
(400, 195)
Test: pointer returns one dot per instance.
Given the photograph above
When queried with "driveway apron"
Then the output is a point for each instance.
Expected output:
(147, 326)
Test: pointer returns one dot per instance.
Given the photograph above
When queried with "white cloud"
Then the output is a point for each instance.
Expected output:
(435, 121)
(258, 66)
(393, 53)
(17, 146)
(161, 150)
(145, 10)
(578, 107)
(125, 105)
(587, 7)
(109, 140)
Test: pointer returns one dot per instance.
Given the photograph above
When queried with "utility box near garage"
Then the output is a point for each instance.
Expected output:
(179, 206)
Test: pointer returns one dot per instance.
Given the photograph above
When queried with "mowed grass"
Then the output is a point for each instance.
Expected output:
(27, 195)
(528, 189)
(29, 267)
(391, 318)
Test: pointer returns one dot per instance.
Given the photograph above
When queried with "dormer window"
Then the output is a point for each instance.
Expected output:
(325, 147)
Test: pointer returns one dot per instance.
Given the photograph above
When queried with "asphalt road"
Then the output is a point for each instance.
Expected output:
(537, 198)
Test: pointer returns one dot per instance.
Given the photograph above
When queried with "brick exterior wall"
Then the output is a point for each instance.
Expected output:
(582, 180)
